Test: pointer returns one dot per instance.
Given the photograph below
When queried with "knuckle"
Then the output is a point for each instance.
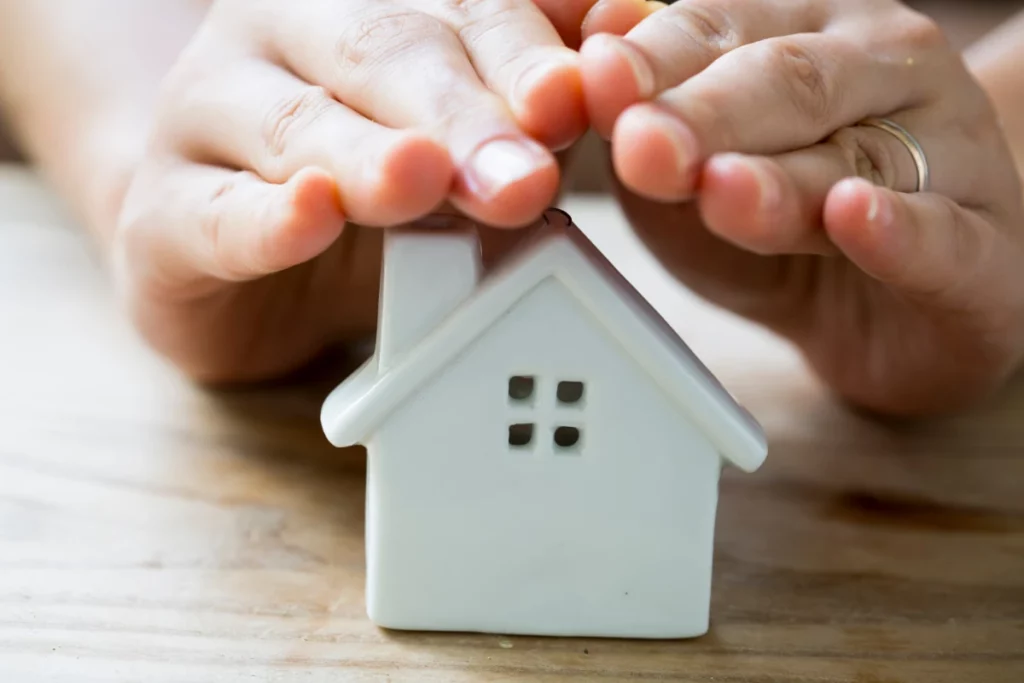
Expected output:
(215, 248)
(294, 113)
(866, 156)
(805, 77)
(483, 27)
(468, 7)
(707, 29)
(920, 32)
(709, 24)
(231, 259)
(378, 36)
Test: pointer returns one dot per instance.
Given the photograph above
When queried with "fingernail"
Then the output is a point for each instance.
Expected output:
(500, 163)
(642, 74)
(535, 74)
(769, 188)
(879, 209)
(682, 139)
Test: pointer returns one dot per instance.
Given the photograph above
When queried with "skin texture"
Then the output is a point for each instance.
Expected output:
(282, 136)
(238, 203)
(739, 161)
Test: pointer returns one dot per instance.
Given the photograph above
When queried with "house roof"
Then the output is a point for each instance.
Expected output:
(561, 251)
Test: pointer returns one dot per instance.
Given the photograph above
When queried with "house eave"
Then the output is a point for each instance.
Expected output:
(342, 415)
(363, 401)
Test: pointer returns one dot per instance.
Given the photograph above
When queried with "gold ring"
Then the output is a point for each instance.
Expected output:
(912, 145)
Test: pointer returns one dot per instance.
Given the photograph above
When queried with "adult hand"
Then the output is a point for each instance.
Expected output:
(904, 302)
(284, 121)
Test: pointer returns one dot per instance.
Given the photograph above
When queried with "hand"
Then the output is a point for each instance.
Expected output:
(284, 121)
(904, 302)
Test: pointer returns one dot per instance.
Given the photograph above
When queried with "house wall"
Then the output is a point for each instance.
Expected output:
(613, 537)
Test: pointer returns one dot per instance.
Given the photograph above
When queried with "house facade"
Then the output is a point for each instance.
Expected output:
(530, 471)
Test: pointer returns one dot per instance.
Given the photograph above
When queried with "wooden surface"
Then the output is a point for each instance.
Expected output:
(153, 532)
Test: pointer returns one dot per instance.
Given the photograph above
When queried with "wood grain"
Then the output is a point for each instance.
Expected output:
(152, 531)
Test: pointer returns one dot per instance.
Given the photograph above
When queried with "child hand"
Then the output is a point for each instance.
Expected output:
(808, 221)
(284, 121)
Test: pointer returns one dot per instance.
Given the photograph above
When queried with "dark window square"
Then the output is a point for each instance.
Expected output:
(520, 388)
(567, 437)
(520, 435)
(570, 392)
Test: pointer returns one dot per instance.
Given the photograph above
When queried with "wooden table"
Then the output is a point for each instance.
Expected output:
(153, 532)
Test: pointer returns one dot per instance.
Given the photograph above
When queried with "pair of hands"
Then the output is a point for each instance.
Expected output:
(733, 138)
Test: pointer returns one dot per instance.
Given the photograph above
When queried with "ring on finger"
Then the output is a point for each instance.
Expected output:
(912, 145)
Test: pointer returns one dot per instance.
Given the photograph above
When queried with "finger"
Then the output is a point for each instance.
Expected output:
(774, 205)
(617, 17)
(678, 43)
(199, 224)
(406, 69)
(733, 278)
(766, 98)
(259, 117)
(750, 202)
(924, 245)
(520, 56)
(568, 18)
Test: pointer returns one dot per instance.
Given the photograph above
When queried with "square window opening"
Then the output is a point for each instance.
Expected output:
(567, 439)
(521, 387)
(520, 435)
(570, 392)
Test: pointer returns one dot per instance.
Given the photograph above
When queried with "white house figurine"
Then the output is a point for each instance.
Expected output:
(543, 450)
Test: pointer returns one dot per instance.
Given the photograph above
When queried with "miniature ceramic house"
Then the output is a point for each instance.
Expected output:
(544, 451)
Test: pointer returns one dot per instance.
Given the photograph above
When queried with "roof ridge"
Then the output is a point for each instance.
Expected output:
(360, 403)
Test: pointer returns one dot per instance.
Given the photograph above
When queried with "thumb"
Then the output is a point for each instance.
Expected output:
(923, 245)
